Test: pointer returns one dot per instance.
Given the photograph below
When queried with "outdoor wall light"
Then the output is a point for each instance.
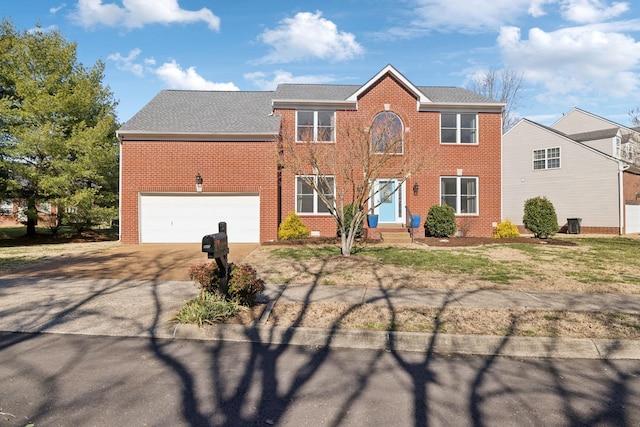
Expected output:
(198, 183)
(416, 187)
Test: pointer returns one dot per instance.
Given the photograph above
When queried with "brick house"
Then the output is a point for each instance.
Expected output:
(190, 159)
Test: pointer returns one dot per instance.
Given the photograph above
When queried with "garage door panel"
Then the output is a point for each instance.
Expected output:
(186, 218)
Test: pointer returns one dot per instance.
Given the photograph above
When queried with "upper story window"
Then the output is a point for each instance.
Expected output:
(315, 126)
(6, 207)
(308, 201)
(617, 147)
(387, 133)
(458, 128)
(548, 158)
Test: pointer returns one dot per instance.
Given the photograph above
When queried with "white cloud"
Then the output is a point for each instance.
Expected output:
(262, 81)
(309, 35)
(55, 10)
(137, 13)
(574, 60)
(127, 63)
(471, 16)
(172, 74)
(591, 11)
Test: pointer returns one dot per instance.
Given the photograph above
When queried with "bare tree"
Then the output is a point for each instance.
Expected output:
(503, 86)
(343, 173)
(635, 117)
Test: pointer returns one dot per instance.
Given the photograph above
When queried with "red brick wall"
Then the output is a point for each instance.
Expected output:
(422, 139)
(171, 166)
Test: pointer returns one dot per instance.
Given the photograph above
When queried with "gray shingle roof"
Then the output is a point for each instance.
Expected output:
(594, 135)
(437, 94)
(308, 92)
(176, 111)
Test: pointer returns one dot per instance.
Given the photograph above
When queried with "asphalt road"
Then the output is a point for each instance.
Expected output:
(77, 380)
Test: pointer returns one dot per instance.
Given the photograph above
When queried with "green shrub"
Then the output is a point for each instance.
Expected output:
(540, 217)
(293, 228)
(441, 221)
(505, 230)
(244, 285)
(349, 212)
(207, 308)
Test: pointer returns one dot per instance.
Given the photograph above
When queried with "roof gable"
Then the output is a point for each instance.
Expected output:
(390, 70)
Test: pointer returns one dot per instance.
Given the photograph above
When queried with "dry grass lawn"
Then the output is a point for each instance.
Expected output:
(556, 268)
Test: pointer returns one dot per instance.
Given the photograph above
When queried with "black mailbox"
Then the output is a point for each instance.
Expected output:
(215, 245)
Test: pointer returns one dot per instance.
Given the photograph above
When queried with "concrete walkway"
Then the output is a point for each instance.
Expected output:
(123, 307)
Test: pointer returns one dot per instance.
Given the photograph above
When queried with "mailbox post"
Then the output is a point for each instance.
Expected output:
(217, 247)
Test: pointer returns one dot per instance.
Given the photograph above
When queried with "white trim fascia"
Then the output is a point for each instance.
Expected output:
(195, 136)
(292, 104)
(470, 107)
(402, 79)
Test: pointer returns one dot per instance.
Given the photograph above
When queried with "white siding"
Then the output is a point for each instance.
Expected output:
(585, 186)
(578, 121)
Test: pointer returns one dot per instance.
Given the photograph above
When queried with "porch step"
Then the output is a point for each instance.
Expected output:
(395, 235)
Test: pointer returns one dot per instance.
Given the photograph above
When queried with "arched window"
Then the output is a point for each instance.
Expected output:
(387, 133)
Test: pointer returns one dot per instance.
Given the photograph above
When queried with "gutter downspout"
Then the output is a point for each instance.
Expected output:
(621, 168)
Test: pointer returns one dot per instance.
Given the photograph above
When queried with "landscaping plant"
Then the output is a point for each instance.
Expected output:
(505, 230)
(349, 213)
(540, 217)
(441, 221)
(293, 228)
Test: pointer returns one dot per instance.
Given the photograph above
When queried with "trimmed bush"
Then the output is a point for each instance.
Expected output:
(349, 212)
(505, 230)
(243, 287)
(293, 228)
(441, 221)
(540, 217)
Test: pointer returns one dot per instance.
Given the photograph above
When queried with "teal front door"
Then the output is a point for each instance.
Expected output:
(387, 199)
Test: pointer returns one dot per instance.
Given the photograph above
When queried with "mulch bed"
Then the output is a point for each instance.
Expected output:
(435, 241)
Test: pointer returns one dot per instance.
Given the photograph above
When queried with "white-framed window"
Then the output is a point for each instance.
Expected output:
(458, 128)
(6, 207)
(461, 193)
(617, 147)
(308, 201)
(315, 126)
(546, 158)
(387, 133)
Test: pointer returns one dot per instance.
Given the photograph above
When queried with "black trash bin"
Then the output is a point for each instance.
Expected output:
(573, 225)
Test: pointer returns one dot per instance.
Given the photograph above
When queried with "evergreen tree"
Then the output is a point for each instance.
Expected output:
(57, 127)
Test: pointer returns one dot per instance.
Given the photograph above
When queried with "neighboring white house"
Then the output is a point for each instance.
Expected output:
(587, 166)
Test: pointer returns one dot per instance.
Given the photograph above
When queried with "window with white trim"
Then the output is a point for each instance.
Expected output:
(546, 158)
(315, 126)
(6, 207)
(461, 193)
(308, 201)
(458, 128)
(617, 147)
(387, 133)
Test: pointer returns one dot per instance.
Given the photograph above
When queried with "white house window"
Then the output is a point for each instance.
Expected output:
(386, 133)
(548, 158)
(461, 193)
(458, 128)
(309, 201)
(617, 147)
(315, 126)
(6, 207)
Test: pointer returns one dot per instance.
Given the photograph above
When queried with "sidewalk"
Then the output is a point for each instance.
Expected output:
(120, 307)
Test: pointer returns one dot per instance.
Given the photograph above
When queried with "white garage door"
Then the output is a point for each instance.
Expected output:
(633, 219)
(187, 218)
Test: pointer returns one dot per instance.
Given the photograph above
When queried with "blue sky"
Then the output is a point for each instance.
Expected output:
(572, 53)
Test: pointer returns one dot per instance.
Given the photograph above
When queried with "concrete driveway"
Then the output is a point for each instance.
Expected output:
(133, 262)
